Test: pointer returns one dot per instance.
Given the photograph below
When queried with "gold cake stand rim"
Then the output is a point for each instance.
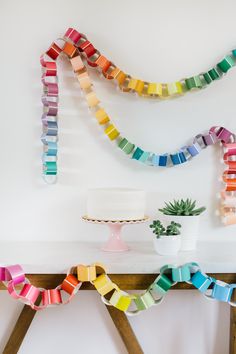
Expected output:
(97, 221)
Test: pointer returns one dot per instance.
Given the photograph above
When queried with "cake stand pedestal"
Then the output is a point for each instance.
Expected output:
(115, 242)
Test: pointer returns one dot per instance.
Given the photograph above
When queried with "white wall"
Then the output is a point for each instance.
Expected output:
(153, 40)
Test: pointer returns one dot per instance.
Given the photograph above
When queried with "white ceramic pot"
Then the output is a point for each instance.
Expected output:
(189, 230)
(167, 245)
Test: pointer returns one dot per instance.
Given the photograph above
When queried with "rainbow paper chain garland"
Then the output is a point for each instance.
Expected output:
(129, 84)
(75, 46)
(111, 294)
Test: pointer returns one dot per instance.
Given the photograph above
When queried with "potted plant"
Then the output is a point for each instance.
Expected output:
(167, 241)
(187, 214)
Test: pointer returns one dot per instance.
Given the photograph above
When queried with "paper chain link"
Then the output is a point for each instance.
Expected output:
(111, 294)
(73, 49)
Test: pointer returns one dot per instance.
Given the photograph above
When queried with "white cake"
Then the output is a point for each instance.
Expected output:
(116, 204)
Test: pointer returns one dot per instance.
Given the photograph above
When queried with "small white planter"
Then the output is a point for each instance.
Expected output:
(167, 245)
(189, 230)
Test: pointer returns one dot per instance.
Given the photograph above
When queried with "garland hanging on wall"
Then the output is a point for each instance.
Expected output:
(132, 304)
(76, 47)
(127, 83)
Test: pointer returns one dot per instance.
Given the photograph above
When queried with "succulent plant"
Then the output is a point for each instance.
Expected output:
(159, 230)
(173, 229)
(182, 207)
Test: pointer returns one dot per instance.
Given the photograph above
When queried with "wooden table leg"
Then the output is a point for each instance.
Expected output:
(232, 341)
(125, 330)
(21, 327)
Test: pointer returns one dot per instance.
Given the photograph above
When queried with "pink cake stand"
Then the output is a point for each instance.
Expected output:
(115, 242)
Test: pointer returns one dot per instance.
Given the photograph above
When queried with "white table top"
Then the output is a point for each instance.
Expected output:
(57, 257)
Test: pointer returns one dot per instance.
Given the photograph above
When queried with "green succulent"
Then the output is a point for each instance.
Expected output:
(173, 229)
(159, 230)
(182, 207)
